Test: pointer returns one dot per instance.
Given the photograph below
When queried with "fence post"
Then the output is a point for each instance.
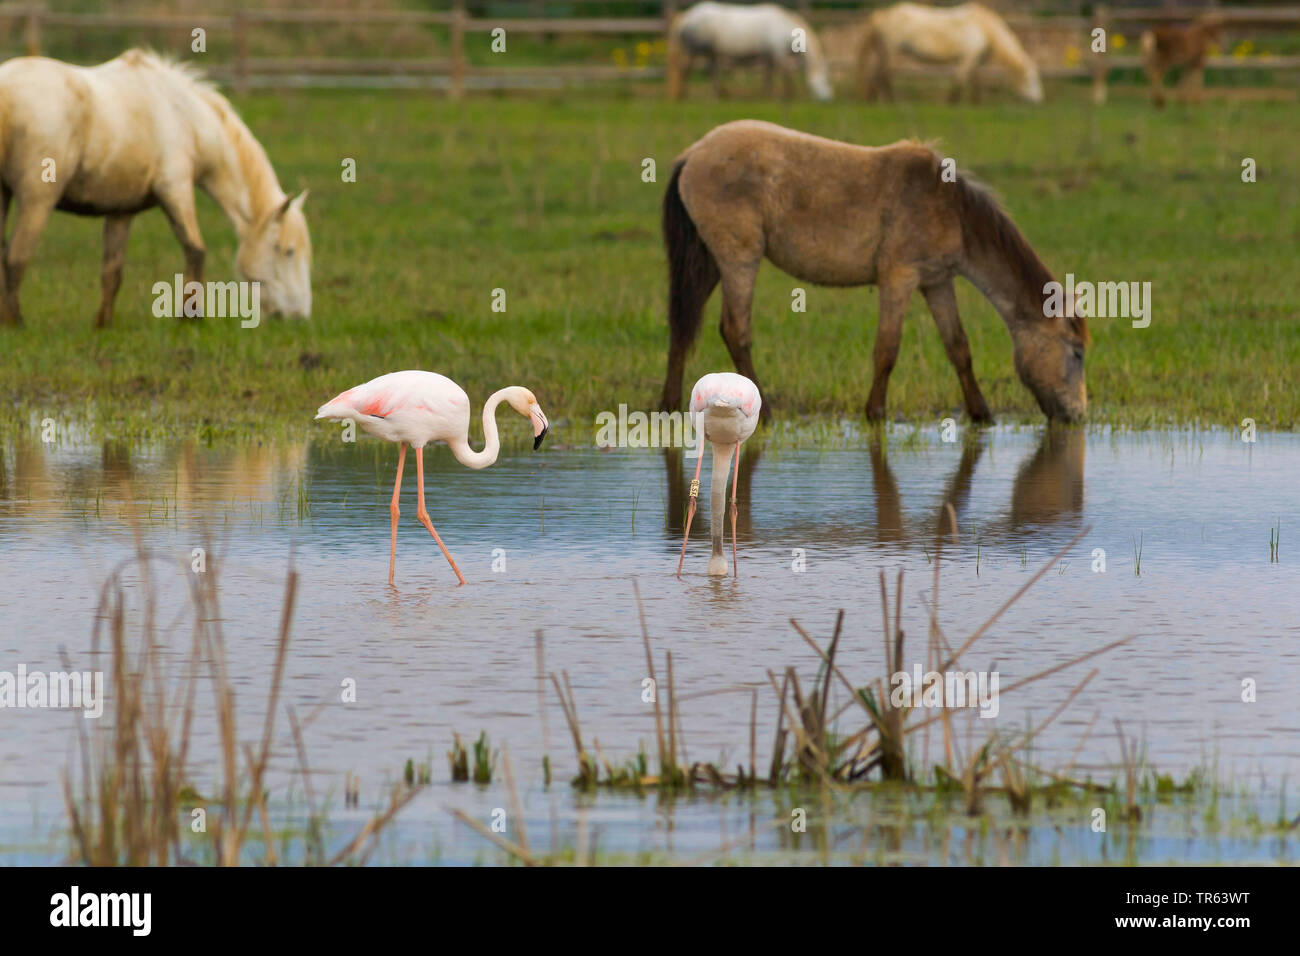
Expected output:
(539, 13)
(239, 26)
(32, 37)
(1100, 18)
(457, 49)
(670, 11)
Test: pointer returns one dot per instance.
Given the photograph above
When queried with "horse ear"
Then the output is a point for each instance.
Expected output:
(1079, 326)
(292, 202)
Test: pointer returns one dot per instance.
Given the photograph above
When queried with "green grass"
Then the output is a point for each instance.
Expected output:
(543, 197)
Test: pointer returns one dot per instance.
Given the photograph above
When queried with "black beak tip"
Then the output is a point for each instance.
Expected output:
(537, 442)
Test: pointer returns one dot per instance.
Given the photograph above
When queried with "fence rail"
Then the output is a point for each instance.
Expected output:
(450, 68)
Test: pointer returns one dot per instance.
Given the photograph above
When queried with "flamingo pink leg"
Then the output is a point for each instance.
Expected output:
(735, 482)
(423, 515)
(394, 511)
(690, 513)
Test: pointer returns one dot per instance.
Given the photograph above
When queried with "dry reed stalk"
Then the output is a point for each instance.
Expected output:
(516, 806)
(399, 798)
(1132, 764)
(513, 849)
(778, 742)
(650, 669)
(135, 778)
(753, 737)
(587, 772)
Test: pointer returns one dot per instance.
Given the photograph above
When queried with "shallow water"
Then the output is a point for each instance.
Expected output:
(554, 541)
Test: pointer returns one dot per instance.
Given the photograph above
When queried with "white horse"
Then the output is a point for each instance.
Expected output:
(133, 133)
(725, 33)
(967, 36)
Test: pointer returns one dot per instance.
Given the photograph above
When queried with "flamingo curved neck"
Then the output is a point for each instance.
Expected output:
(466, 455)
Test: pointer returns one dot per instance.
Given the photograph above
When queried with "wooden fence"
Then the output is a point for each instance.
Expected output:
(453, 72)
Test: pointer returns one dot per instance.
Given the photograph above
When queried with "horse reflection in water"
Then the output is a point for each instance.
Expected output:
(679, 491)
(1049, 485)
(182, 476)
(1047, 490)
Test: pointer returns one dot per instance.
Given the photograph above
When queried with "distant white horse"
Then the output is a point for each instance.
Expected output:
(728, 33)
(133, 133)
(967, 36)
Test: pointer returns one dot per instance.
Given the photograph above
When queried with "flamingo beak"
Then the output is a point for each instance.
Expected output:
(540, 426)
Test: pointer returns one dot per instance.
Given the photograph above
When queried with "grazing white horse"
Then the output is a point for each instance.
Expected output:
(119, 138)
(724, 33)
(966, 36)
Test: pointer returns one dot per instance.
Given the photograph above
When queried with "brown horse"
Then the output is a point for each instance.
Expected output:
(1164, 48)
(841, 215)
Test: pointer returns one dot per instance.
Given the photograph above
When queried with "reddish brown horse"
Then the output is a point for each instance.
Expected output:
(841, 215)
(1164, 48)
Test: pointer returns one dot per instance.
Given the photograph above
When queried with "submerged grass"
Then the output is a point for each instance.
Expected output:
(820, 765)
(816, 759)
(542, 196)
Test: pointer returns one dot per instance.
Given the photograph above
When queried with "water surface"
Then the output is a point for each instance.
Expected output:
(553, 542)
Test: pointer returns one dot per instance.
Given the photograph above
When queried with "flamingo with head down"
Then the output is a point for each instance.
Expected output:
(415, 408)
(725, 409)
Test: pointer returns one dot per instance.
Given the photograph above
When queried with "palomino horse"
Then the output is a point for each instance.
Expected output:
(133, 133)
(1164, 48)
(967, 36)
(724, 33)
(842, 215)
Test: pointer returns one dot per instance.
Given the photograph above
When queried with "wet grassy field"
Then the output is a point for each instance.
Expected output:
(544, 198)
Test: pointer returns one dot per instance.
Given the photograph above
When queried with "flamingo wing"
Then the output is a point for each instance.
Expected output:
(411, 406)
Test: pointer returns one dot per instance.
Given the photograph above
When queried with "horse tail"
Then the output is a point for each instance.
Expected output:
(692, 274)
(869, 56)
(1010, 52)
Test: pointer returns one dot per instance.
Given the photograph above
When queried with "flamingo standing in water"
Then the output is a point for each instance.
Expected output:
(416, 408)
(725, 409)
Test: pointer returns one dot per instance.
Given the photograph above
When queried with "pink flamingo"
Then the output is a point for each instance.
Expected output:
(416, 408)
(725, 409)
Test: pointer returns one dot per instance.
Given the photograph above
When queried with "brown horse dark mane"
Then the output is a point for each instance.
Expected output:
(985, 227)
(837, 214)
